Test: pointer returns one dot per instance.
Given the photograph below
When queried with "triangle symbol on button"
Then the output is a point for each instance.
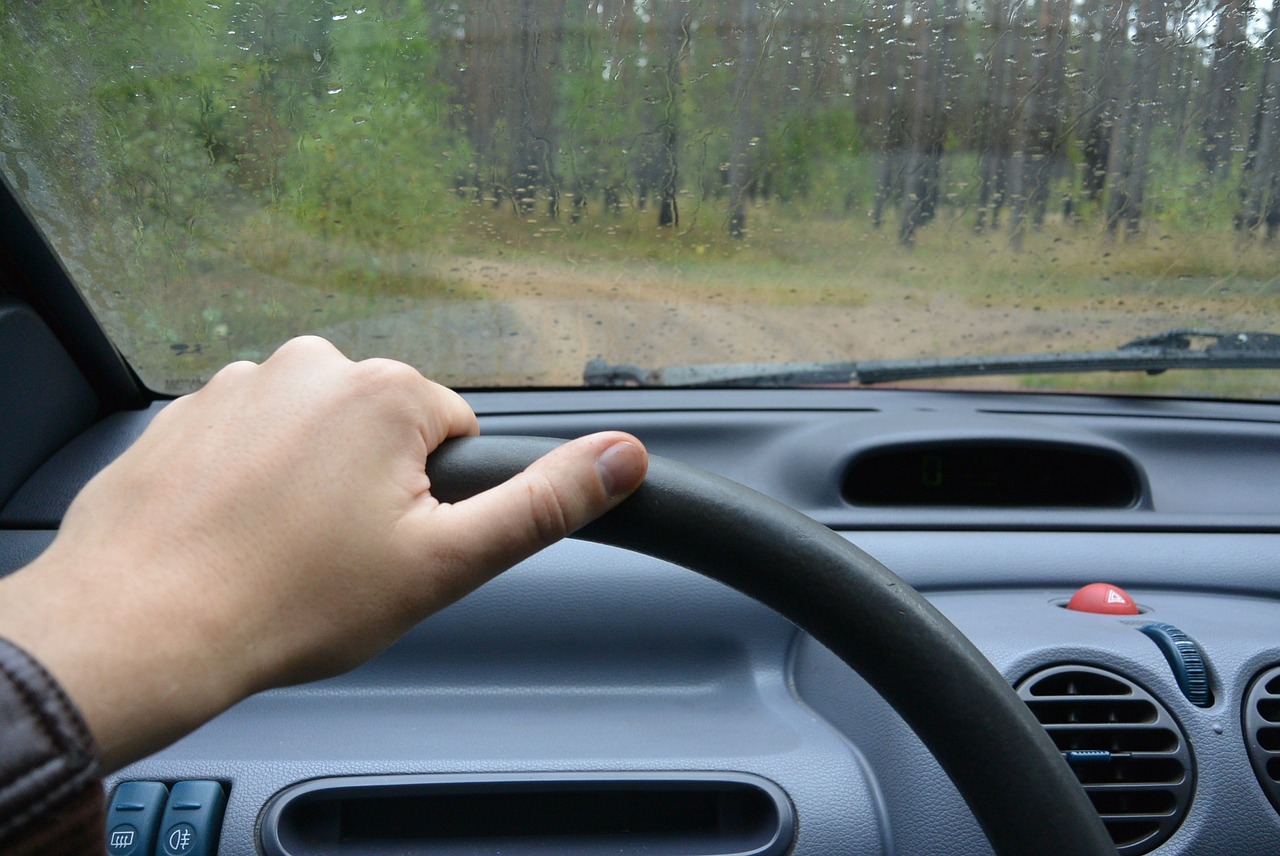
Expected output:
(1114, 596)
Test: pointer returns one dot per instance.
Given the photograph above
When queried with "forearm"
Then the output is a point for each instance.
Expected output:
(136, 669)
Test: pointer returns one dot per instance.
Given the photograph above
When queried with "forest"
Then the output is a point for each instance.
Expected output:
(380, 120)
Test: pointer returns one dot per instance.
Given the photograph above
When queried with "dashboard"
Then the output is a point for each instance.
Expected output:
(594, 700)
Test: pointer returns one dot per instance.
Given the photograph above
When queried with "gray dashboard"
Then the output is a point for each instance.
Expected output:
(590, 659)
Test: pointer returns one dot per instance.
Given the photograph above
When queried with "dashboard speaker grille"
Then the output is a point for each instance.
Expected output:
(1124, 746)
(1262, 731)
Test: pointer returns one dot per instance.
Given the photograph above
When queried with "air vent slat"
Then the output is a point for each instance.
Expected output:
(1113, 739)
(1262, 731)
(1269, 709)
(1132, 836)
(1105, 727)
(1269, 739)
(1134, 771)
(1133, 801)
(1123, 787)
(1123, 745)
(1075, 684)
(1084, 710)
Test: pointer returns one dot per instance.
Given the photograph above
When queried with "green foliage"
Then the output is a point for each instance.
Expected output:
(207, 152)
(378, 168)
(1183, 196)
(166, 146)
(790, 160)
(599, 125)
(353, 117)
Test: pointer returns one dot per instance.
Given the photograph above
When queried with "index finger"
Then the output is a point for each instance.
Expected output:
(441, 413)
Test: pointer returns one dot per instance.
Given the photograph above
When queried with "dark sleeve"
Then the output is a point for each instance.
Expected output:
(51, 798)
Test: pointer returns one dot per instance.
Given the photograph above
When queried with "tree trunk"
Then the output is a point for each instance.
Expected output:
(744, 129)
(995, 133)
(920, 47)
(1035, 158)
(936, 36)
(533, 166)
(486, 74)
(1262, 177)
(1226, 77)
(1149, 59)
(676, 44)
(1103, 108)
(1131, 135)
(885, 62)
(1186, 60)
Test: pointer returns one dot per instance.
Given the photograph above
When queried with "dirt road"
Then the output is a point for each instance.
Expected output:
(539, 327)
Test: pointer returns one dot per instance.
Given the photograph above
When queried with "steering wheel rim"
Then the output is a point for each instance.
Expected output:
(1013, 778)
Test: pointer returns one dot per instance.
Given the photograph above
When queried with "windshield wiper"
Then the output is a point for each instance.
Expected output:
(1172, 349)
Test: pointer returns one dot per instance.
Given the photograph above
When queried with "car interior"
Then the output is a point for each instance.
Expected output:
(838, 618)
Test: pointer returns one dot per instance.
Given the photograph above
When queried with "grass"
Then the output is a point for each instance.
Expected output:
(237, 289)
(1067, 254)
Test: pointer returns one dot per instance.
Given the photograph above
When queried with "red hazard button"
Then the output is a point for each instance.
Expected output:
(1104, 598)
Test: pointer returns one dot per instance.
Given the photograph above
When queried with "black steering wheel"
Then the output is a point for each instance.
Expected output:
(1007, 769)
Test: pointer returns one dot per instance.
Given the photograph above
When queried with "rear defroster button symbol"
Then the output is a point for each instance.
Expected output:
(122, 839)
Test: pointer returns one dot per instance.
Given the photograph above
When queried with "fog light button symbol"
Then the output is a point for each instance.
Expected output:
(179, 839)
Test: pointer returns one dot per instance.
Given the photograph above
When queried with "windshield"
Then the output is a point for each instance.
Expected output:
(501, 192)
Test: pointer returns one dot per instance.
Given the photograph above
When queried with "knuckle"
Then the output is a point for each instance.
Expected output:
(232, 370)
(546, 509)
(310, 341)
(380, 374)
(306, 345)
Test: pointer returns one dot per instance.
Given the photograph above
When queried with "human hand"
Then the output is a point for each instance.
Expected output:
(276, 527)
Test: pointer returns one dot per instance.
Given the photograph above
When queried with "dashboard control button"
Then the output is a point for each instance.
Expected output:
(192, 819)
(1103, 598)
(133, 818)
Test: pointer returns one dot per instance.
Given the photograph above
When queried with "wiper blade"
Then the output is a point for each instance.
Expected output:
(1151, 354)
(600, 373)
(1172, 349)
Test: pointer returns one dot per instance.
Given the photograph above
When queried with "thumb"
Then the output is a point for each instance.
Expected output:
(556, 495)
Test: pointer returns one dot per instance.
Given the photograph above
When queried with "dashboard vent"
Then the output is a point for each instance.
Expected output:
(1262, 731)
(1124, 746)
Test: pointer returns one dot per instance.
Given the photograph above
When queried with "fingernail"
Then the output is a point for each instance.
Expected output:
(621, 467)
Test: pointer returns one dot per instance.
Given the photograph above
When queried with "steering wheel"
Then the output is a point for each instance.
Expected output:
(1013, 778)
